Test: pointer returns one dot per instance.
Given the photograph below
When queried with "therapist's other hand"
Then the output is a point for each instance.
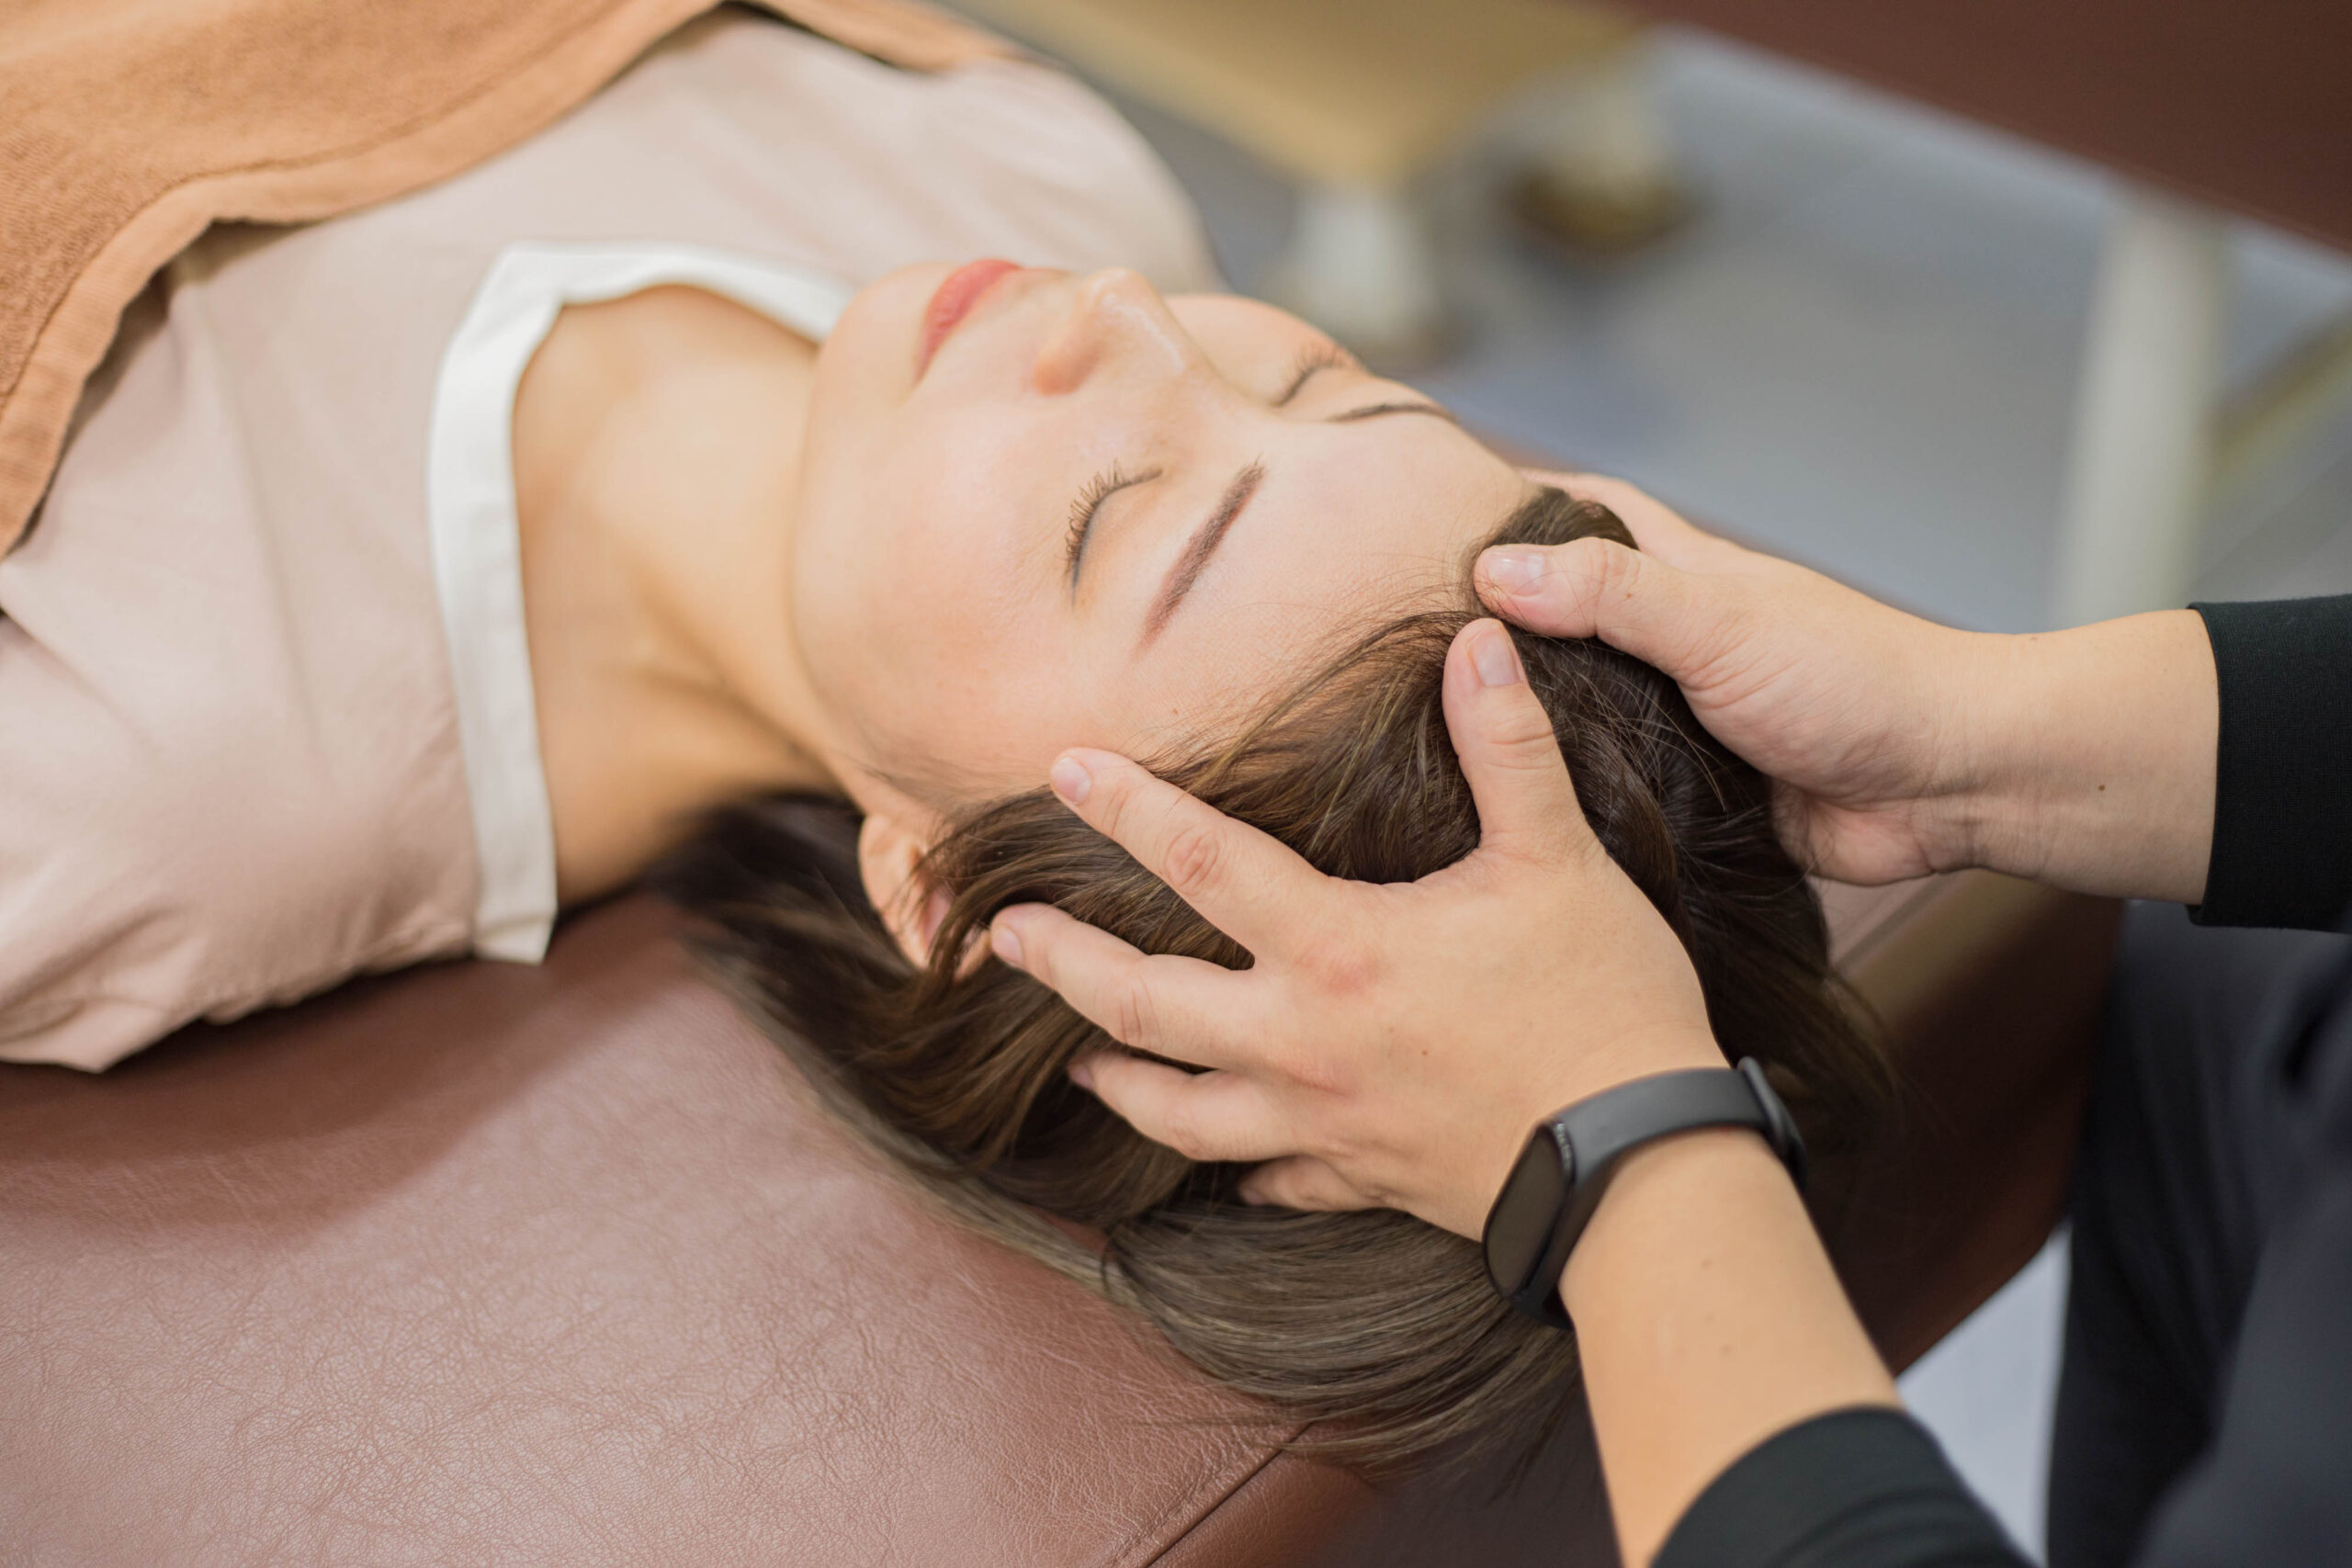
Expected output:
(1391, 1046)
(2081, 758)
(1859, 712)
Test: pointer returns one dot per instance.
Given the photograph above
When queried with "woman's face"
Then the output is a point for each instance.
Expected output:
(1085, 515)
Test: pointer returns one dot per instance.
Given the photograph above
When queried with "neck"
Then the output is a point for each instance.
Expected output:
(657, 455)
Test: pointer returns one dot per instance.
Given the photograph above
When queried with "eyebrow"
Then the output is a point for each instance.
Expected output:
(1402, 405)
(1203, 545)
(1209, 535)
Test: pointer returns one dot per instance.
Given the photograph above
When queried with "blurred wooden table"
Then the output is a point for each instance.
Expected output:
(1354, 101)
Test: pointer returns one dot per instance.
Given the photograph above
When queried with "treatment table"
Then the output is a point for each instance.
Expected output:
(481, 1264)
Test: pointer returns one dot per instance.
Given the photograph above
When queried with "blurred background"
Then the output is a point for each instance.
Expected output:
(2075, 343)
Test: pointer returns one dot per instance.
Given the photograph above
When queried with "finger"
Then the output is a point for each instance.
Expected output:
(1657, 528)
(1249, 885)
(1559, 479)
(1302, 1182)
(1658, 612)
(1527, 807)
(1185, 1009)
(1202, 1116)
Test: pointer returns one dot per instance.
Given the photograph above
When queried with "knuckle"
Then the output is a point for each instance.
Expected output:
(1179, 1130)
(1113, 799)
(1325, 1190)
(1194, 859)
(1135, 1016)
(1521, 733)
(1322, 1073)
(1613, 570)
(1344, 964)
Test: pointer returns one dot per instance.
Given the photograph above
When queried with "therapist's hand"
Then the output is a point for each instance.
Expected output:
(2082, 758)
(1862, 713)
(1391, 1045)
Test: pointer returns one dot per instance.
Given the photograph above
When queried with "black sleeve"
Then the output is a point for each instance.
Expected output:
(2282, 804)
(2276, 1485)
(1851, 1489)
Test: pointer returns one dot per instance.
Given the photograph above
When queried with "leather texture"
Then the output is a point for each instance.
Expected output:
(1991, 992)
(482, 1264)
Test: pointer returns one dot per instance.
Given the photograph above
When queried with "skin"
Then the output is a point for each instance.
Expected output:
(2083, 759)
(753, 565)
(1393, 1045)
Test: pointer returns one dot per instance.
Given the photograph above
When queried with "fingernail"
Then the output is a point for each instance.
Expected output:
(1492, 657)
(1252, 1197)
(1514, 570)
(1005, 942)
(1070, 780)
(1083, 1075)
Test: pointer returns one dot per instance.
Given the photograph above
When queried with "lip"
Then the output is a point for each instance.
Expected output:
(958, 294)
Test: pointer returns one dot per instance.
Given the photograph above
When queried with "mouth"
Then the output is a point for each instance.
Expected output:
(957, 298)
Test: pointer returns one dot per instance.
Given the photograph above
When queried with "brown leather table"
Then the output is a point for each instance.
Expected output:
(482, 1264)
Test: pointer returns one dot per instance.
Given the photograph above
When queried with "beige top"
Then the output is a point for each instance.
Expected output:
(231, 764)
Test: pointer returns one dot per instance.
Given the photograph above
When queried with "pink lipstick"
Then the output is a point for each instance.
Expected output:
(952, 300)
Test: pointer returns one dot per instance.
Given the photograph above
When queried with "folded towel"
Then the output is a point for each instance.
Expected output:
(131, 125)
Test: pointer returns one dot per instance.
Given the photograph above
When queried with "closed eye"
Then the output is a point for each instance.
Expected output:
(1316, 356)
(1099, 489)
(1329, 355)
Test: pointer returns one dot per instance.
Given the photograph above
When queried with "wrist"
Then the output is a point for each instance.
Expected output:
(1652, 1194)
(2088, 757)
(1708, 1318)
(2000, 699)
(1569, 1164)
(1976, 746)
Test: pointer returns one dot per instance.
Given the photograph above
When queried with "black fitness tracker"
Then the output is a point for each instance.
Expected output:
(1559, 1179)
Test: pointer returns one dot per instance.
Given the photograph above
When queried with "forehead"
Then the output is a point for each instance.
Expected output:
(1352, 526)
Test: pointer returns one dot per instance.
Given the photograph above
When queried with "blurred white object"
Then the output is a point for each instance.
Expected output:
(2144, 442)
(1360, 265)
(1989, 1390)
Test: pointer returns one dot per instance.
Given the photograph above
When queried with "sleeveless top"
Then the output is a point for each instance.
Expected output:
(266, 715)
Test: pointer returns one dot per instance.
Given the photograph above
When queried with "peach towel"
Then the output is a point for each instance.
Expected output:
(129, 126)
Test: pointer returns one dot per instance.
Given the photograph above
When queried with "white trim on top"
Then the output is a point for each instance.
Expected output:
(477, 547)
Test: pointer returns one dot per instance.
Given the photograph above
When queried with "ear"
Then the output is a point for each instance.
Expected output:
(890, 860)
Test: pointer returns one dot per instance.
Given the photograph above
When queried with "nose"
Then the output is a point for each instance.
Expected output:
(1117, 324)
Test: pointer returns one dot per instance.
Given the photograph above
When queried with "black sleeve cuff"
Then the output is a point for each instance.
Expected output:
(1853, 1489)
(2282, 784)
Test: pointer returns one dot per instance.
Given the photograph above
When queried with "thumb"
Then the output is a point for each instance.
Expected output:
(1527, 806)
(1658, 614)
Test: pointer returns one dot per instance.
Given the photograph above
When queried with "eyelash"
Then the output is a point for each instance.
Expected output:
(1313, 357)
(1081, 512)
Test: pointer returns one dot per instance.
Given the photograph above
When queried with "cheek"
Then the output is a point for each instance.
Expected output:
(924, 601)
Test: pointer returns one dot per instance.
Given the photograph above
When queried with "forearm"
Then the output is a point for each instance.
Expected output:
(1709, 1319)
(2090, 758)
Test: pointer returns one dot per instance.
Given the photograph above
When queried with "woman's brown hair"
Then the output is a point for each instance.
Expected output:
(1379, 1331)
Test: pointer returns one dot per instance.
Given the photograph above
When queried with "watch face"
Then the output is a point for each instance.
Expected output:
(1520, 1226)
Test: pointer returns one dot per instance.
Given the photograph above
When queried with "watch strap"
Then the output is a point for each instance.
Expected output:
(1591, 1137)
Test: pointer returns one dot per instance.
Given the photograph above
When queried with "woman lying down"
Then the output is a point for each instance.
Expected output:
(644, 497)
